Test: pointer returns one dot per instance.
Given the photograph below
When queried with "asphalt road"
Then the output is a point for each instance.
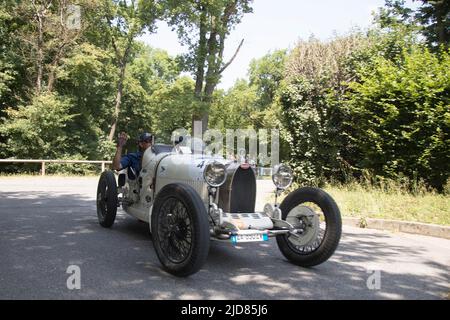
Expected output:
(48, 224)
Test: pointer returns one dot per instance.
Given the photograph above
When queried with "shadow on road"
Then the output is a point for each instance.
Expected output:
(42, 233)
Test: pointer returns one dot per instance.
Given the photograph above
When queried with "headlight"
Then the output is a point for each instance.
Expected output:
(282, 176)
(215, 174)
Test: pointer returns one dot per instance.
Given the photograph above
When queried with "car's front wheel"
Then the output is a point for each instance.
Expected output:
(180, 230)
(317, 220)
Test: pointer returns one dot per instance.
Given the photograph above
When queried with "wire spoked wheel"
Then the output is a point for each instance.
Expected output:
(180, 229)
(175, 230)
(317, 222)
(311, 225)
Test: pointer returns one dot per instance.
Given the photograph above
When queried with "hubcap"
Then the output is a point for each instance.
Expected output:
(307, 223)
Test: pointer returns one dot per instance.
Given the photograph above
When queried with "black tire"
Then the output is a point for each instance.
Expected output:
(332, 233)
(187, 225)
(107, 199)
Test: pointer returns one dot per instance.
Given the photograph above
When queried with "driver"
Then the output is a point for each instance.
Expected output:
(131, 160)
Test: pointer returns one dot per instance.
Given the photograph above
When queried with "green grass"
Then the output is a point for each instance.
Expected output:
(391, 202)
(359, 201)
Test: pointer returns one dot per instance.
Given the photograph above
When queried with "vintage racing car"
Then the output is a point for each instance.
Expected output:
(189, 198)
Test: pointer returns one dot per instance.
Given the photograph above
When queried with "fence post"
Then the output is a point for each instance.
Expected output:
(43, 168)
(103, 166)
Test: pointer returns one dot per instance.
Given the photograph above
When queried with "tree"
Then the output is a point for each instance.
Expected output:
(434, 16)
(70, 115)
(266, 74)
(152, 65)
(155, 96)
(395, 13)
(126, 20)
(235, 109)
(88, 75)
(10, 65)
(431, 19)
(47, 36)
(37, 130)
(171, 106)
(203, 25)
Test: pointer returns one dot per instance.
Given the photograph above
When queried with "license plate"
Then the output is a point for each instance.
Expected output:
(255, 237)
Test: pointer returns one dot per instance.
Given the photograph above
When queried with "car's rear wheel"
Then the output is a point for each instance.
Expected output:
(180, 230)
(107, 199)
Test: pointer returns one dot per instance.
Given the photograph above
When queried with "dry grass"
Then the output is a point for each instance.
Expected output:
(370, 202)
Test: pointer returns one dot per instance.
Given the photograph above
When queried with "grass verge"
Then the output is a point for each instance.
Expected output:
(393, 203)
(359, 201)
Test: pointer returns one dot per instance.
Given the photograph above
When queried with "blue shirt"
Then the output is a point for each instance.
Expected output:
(132, 160)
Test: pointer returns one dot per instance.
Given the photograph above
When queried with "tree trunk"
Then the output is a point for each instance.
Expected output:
(211, 52)
(441, 29)
(210, 86)
(53, 66)
(52, 76)
(201, 58)
(40, 55)
(118, 101)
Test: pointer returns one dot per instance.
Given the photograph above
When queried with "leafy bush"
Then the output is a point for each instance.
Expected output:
(72, 168)
(311, 104)
(378, 103)
(37, 130)
(400, 116)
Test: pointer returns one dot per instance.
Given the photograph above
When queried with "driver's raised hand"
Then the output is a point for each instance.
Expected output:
(122, 139)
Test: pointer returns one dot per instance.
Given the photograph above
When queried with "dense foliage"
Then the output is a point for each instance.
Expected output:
(368, 104)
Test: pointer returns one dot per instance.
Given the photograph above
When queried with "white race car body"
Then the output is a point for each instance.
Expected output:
(190, 198)
(236, 198)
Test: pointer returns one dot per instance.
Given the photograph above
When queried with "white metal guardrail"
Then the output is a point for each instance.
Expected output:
(44, 161)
